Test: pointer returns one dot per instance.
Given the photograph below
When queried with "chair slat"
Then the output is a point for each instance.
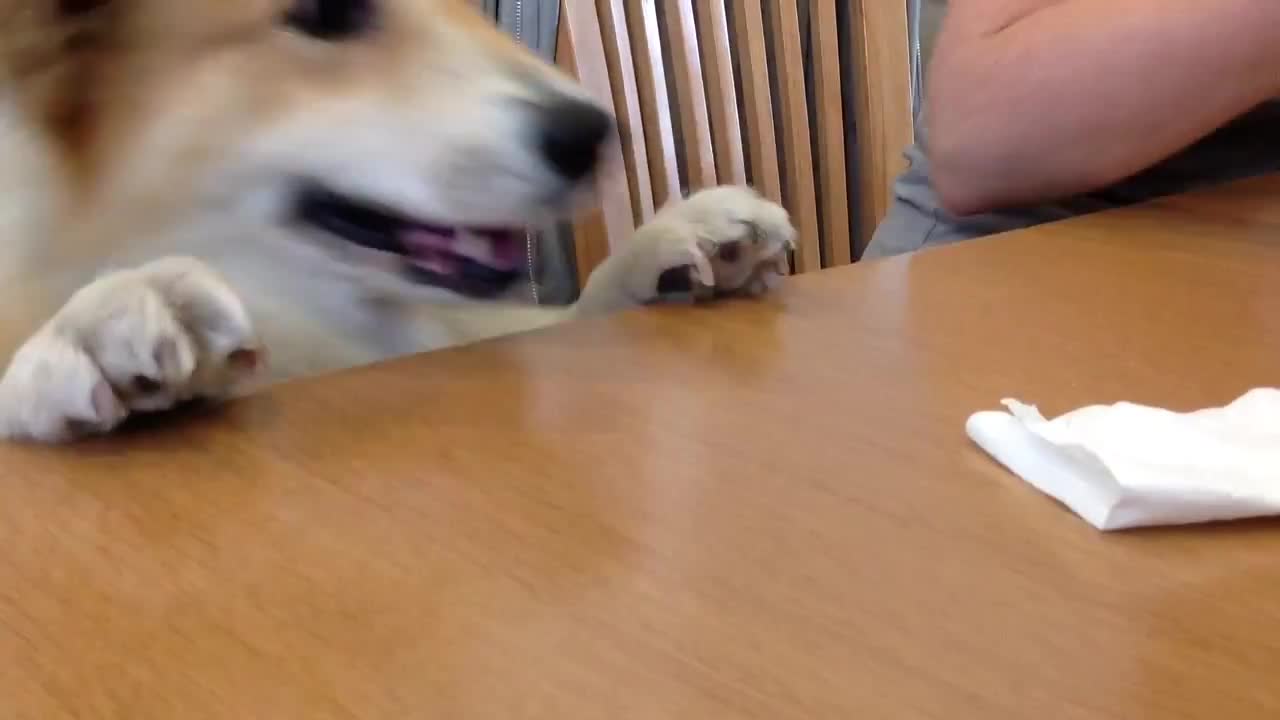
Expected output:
(722, 91)
(626, 102)
(833, 181)
(580, 52)
(691, 94)
(797, 151)
(655, 105)
(757, 98)
(715, 91)
(883, 119)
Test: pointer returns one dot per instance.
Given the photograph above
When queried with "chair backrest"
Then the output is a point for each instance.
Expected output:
(810, 101)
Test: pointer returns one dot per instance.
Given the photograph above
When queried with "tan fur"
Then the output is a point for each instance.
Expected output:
(147, 147)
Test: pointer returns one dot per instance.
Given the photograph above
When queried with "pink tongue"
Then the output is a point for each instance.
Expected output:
(430, 251)
(434, 249)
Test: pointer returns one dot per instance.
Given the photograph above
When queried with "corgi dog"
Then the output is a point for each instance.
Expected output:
(186, 185)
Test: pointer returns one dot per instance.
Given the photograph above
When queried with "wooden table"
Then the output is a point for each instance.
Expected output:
(764, 510)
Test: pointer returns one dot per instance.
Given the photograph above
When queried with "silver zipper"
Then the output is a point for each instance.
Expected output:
(530, 238)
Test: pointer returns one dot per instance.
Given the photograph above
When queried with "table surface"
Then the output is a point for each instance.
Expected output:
(758, 510)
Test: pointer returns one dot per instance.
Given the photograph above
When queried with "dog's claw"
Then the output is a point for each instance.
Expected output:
(134, 341)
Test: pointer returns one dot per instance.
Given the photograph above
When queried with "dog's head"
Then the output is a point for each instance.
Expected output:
(411, 135)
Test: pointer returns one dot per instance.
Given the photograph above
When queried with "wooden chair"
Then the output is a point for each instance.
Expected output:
(721, 91)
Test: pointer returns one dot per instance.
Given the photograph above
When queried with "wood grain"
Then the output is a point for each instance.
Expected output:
(762, 510)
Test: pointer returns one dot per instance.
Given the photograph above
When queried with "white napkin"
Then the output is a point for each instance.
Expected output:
(1125, 465)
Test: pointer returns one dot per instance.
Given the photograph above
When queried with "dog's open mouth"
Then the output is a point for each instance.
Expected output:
(476, 262)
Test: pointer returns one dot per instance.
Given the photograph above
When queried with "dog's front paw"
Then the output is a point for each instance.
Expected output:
(145, 339)
(727, 240)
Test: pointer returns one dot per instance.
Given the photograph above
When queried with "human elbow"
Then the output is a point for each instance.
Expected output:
(956, 195)
(985, 166)
(960, 188)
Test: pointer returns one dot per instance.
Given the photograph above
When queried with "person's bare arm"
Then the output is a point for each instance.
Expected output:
(1032, 100)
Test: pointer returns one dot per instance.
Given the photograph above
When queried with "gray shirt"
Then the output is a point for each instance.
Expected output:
(1248, 146)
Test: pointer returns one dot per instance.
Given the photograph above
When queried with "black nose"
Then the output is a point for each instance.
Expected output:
(573, 132)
